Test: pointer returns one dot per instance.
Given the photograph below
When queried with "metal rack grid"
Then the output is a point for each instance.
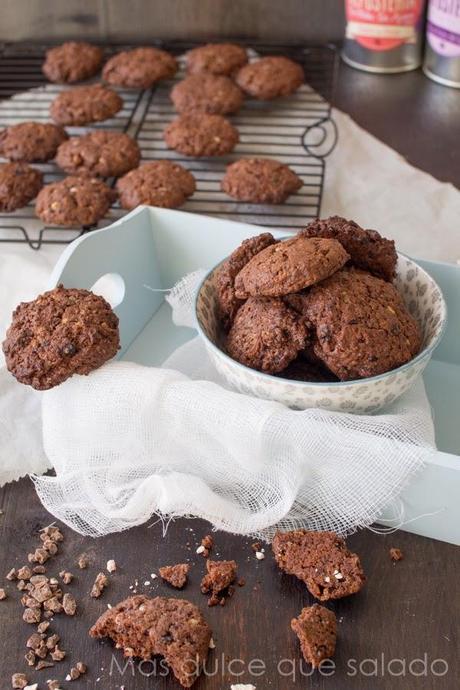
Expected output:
(297, 130)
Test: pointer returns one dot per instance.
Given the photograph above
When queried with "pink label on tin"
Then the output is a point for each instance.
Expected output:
(443, 28)
(383, 24)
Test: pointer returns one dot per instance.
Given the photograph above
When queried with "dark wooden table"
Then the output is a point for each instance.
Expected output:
(408, 611)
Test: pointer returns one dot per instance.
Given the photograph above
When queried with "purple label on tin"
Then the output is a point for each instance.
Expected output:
(443, 28)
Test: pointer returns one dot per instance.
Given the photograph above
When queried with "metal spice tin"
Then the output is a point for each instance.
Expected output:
(442, 56)
(384, 36)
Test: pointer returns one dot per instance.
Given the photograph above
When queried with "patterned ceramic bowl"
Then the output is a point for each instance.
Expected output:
(425, 302)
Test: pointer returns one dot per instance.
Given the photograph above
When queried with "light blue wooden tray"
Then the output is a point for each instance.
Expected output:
(156, 247)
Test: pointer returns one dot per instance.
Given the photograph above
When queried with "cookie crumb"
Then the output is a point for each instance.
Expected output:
(111, 566)
(175, 575)
(201, 549)
(57, 654)
(12, 575)
(43, 664)
(69, 604)
(53, 684)
(212, 644)
(396, 554)
(19, 680)
(221, 574)
(83, 561)
(3, 594)
(66, 577)
(260, 555)
(99, 585)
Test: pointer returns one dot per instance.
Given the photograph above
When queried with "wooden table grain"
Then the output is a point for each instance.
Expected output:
(400, 632)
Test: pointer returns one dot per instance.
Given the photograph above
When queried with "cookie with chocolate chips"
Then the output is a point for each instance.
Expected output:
(62, 332)
(19, 184)
(99, 154)
(31, 142)
(74, 202)
(72, 61)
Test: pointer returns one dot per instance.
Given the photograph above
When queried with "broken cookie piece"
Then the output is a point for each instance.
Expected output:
(175, 575)
(171, 628)
(396, 554)
(321, 560)
(316, 628)
(217, 582)
(100, 583)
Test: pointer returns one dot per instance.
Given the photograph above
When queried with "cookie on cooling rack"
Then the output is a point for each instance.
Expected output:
(260, 181)
(74, 202)
(216, 58)
(207, 93)
(270, 77)
(158, 183)
(140, 68)
(367, 248)
(85, 104)
(72, 61)
(99, 154)
(201, 134)
(31, 141)
(63, 332)
(19, 184)
(266, 335)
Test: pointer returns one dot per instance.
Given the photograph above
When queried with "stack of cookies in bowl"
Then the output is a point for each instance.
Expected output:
(332, 317)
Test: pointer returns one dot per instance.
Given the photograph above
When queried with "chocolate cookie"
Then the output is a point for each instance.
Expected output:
(31, 141)
(367, 248)
(85, 104)
(316, 628)
(270, 77)
(19, 184)
(175, 575)
(260, 181)
(289, 266)
(158, 183)
(61, 333)
(74, 202)
(224, 277)
(99, 154)
(362, 327)
(140, 68)
(172, 628)
(201, 134)
(207, 93)
(216, 58)
(321, 560)
(266, 335)
(72, 61)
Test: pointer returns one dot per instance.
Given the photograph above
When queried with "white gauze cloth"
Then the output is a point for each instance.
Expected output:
(129, 442)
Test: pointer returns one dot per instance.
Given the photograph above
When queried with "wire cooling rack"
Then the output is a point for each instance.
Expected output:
(297, 130)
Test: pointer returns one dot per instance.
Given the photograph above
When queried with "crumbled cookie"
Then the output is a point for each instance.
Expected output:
(396, 554)
(289, 266)
(44, 664)
(72, 61)
(99, 154)
(367, 248)
(139, 68)
(206, 93)
(62, 332)
(316, 628)
(207, 543)
(100, 583)
(321, 560)
(85, 104)
(158, 183)
(172, 628)
(260, 181)
(175, 575)
(361, 325)
(66, 577)
(31, 142)
(216, 58)
(83, 561)
(69, 604)
(225, 274)
(266, 335)
(270, 77)
(201, 134)
(220, 576)
(3, 594)
(19, 184)
(74, 202)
